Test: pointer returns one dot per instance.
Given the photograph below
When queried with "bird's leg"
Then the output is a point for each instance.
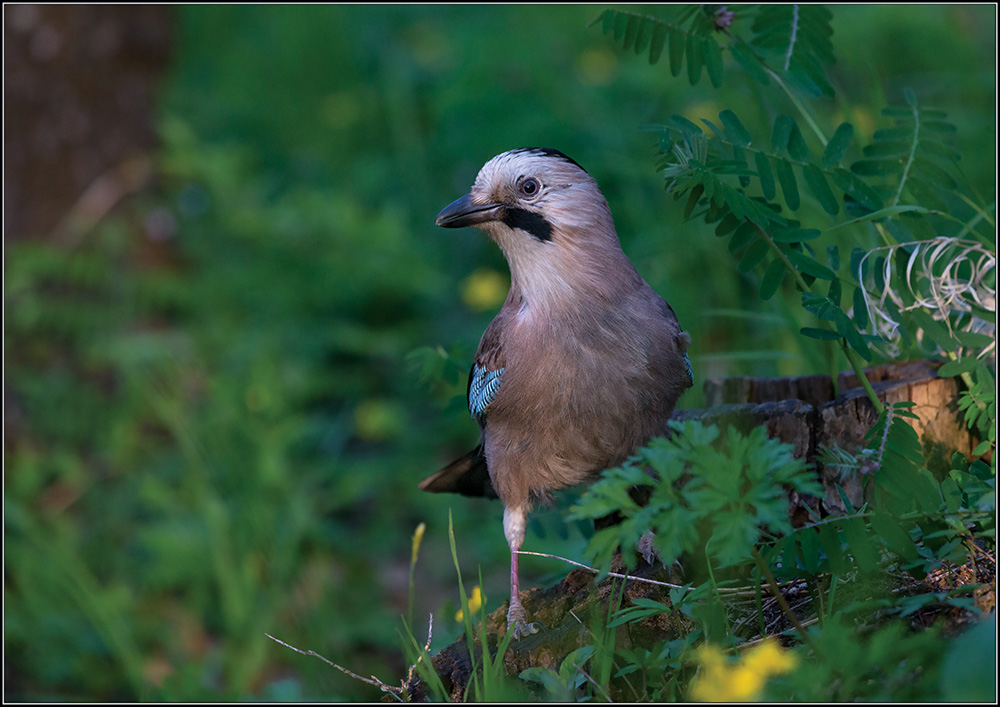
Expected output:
(514, 525)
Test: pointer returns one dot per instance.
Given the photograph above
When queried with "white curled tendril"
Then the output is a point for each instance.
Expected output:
(944, 276)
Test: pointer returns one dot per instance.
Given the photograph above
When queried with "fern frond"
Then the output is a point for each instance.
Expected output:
(913, 153)
(795, 41)
(718, 168)
(688, 35)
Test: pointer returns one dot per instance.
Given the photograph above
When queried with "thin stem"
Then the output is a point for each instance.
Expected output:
(852, 357)
(858, 366)
(622, 576)
(886, 238)
(798, 105)
(910, 157)
(833, 595)
(782, 257)
(776, 593)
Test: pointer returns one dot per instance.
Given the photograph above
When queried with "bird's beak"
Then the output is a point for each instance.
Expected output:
(463, 212)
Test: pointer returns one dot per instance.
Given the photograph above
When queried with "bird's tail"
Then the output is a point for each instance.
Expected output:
(467, 476)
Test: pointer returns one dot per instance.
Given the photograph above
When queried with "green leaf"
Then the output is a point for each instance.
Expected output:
(830, 540)
(656, 43)
(793, 234)
(608, 21)
(693, 198)
(713, 61)
(860, 309)
(809, 266)
(678, 46)
(836, 148)
(875, 167)
(734, 128)
(631, 30)
(695, 60)
(820, 189)
(927, 491)
(782, 130)
(764, 173)
(833, 257)
(728, 224)
(974, 340)
(642, 38)
(685, 126)
(958, 367)
(797, 147)
(744, 235)
(860, 543)
(620, 25)
(857, 255)
(846, 327)
(745, 57)
(821, 334)
(859, 190)
(753, 255)
(789, 187)
(894, 537)
(740, 166)
(774, 274)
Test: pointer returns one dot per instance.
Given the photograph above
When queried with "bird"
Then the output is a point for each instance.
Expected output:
(583, 363)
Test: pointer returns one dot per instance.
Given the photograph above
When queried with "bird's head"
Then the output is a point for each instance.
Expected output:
(548, 217)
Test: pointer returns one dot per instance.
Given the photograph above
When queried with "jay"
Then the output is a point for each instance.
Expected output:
(584, 361)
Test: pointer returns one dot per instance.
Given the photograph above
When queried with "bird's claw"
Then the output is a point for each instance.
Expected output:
(522, 629)
(517, 622)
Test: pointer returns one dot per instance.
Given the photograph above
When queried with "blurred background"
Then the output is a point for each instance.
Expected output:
(234, 340)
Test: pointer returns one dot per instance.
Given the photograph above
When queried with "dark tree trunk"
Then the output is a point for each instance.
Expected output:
(80, 83)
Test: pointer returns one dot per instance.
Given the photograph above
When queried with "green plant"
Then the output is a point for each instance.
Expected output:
(902, 190)
(924, 274)
(736, 484)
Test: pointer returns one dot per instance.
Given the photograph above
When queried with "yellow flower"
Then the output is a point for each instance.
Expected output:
(767, 658)
(742, 681)
(484, 289)
(475, 603)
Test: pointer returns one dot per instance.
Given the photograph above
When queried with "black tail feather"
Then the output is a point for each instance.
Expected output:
(467, 476)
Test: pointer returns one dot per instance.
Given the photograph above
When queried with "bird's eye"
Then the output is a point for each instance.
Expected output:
(530, 187)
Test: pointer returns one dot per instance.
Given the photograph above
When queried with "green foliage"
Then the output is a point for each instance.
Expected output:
(219, 434)
(888, 664)
(792, 41)
(735, 482)
(905, 189)
(562, 685)
(924, 275)
(727, 503)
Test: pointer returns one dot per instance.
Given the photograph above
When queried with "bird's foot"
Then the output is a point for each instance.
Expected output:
(647, 549)
(517, 621)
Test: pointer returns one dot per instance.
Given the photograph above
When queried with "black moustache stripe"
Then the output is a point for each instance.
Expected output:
(529, 222)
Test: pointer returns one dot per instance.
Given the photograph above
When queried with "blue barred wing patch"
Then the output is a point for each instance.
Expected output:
(690, 371)
(483, 389)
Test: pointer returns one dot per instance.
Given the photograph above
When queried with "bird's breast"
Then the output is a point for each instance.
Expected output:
(580, 393)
